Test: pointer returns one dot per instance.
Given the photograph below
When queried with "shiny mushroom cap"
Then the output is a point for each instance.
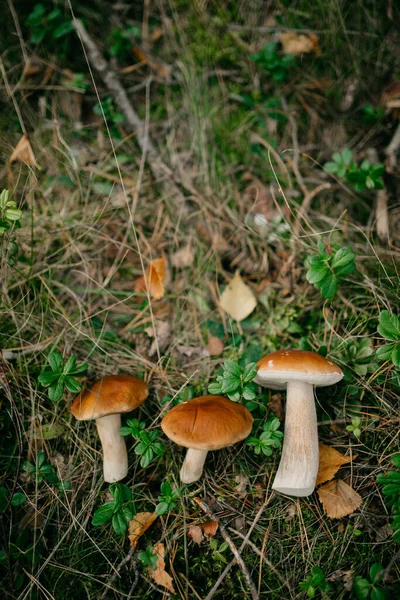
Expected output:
(207, 423)
(110, 395)
(278, 368)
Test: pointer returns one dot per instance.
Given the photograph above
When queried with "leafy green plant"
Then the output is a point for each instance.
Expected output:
(270, 437)
(107, 108)
(168, 498)
(149, 446)
(41, 470)
(9, 213)
(17, 499)
(389, 328)
(122, 40)
(218, 553)
(236, 383)
(58, 375)
(42, 23)
(315, 582)
(367, 588)
(148, 558)
(363, 175)
(355, 427)
(326, 270)
(276, 64)
(391, 491)
(186, 394)
(359, 354)
(119, 510)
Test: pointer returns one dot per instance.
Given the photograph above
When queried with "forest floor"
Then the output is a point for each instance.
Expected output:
(220, 141)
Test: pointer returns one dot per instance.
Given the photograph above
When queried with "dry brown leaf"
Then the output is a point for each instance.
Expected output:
(330, 461)
(153, 280)
(215, 346)
(238, 299)
(161, 331)
(302, 43)
(162, 69)
(209, 529)
(196, 534)
(138, 525)
(183, 258)
(23, 152)
(159, 574)
(243, 483)
(339, 499)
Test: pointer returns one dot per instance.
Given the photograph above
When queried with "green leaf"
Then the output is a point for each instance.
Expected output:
(62, 29)
(55, 360)
(166, 488)
(13, 214)
(396, 356)
(317, 274)
(311, 591)
(72, 385)
(362, 588)
(396, 460)
(70, 365)
(379, 594)
(161, 508)
(215, 388)
(329, 287)
(119, 522)
(249, 394)
(46, 378)
(376, 572)
(389, 326)
(103, 514)
(343, 257)
(229, 385)
(249, 372)
(56, 392)
(125, 431)
(385, 352)
(18, 499)
(232, 367)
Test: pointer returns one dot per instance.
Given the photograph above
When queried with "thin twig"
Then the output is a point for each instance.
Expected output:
(382, 216)
(238, 559)
(160, 170)
(117, 572)
(278, 29)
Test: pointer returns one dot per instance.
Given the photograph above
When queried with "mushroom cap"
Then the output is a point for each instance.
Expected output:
(278, 368)
(207, 423)
(110, 395)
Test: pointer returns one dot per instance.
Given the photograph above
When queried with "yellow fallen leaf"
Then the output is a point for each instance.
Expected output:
(302, 43)
(138, 525)
(338, 499)
(23, 152)
(237, 299)
(153, 280)
(159, 574)
(330, 461)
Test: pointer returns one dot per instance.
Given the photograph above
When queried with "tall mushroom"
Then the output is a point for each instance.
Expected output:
(104, 402)
(204, 424)
(298, 371)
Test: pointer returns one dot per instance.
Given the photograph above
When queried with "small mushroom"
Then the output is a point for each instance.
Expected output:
(104, 402)
(298, 371)
(203, 424)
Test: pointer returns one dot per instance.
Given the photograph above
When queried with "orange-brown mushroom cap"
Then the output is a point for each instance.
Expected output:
(112, 394)
(207, 423)
(278, 368)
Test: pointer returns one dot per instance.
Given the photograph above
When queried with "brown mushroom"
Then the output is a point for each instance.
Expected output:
(298, 371)
(104, 402)
(203, 424)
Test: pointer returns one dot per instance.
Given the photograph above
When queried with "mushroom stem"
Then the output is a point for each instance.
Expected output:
(115, 456)
(298, 468)
(193, 464)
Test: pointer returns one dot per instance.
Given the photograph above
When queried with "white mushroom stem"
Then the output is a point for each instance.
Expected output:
(298, 468)
(192, 468)
(115, 456)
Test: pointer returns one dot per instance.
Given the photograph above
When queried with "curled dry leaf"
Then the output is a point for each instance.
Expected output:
(238, 299)
(183, 258)
(159, 574)
(23, 152)
(330, 461)
(197, 532)
(339, 499)
(153, 280)
(138, 525)
(162, 334)
(302, 43)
